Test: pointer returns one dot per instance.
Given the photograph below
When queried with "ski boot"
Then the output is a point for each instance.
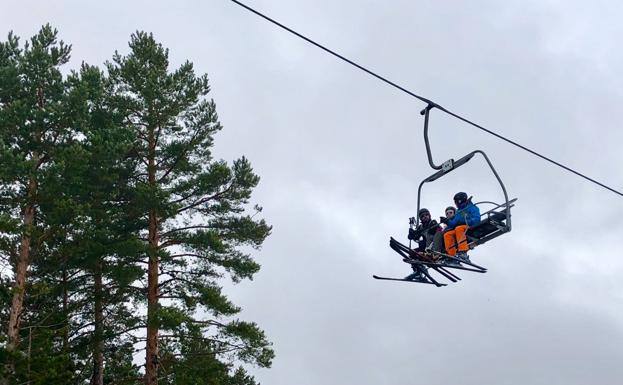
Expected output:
(462, 255)
(418, 274)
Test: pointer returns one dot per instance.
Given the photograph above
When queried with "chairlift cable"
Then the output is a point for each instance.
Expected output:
(425, 100)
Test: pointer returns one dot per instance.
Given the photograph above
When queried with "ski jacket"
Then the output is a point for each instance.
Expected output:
(468, 215)
(427, 231)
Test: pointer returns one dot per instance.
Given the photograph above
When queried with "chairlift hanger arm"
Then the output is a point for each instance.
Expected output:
(451, 164)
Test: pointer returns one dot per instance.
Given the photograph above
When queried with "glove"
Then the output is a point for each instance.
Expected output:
(443, 220)
(414, 235)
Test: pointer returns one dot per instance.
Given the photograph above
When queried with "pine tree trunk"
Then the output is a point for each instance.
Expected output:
(98, 344)
(21, 270)
(151, 360)
(23, 261)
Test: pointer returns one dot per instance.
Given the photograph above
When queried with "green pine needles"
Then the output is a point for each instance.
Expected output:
(117, 226)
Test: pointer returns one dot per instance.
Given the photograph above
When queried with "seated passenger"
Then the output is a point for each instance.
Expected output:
(450, 211)
(467, 214)
(424, 233)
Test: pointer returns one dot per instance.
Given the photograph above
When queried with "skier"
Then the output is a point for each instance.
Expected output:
(467, 214)
(428, 235)
(424, 233)
(450, 211)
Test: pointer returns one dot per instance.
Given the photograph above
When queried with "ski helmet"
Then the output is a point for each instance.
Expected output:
(460, 198)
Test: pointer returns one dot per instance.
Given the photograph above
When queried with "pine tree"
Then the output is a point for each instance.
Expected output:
(81, 240)
(103, 177)
(197, 228)
(102, 236)
(33, 125)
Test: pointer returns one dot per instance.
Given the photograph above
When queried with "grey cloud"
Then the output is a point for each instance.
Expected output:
(341, 156)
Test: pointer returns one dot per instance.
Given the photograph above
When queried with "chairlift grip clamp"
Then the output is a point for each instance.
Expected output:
(428, 108)
(448, 165)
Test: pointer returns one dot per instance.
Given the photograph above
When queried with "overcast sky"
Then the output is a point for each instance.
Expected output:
(341, 155)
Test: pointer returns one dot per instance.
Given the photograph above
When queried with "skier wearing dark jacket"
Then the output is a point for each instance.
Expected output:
(424, 233)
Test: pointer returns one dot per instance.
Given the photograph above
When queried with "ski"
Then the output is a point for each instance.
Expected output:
(412, 261)
(470, 263)
(443, 271)
(429, 261)
(413, 257)
(408, 280)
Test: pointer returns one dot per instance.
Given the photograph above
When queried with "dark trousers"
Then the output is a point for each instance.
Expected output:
(437, 243)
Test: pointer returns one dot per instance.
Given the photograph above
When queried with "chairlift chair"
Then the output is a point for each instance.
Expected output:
(494, 222)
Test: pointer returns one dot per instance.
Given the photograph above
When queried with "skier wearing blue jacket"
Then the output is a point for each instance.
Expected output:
(467, 214)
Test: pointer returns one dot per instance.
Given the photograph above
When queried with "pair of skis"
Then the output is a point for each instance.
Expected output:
(433, 260)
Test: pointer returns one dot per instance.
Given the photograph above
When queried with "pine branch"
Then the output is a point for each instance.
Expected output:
(185, 255)
(140, 156)
(170, 242)
(192, 273)
(75, 332)
(205, 200)
(208, 322)
(182, 199)
(180, 279)
(184, 229)
(191, 143)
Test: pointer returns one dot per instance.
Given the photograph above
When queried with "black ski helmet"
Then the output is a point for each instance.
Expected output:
(460, 198)
(422, 212)
(450, 208)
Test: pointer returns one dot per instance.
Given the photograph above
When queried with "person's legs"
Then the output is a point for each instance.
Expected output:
(418, 273)
(421, 245)
(449, 242)
(461, 239)
(437, 244)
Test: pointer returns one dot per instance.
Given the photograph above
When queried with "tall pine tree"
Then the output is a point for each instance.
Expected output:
(33, 125)
(197, 225)
(100, 237)
(111, 205)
